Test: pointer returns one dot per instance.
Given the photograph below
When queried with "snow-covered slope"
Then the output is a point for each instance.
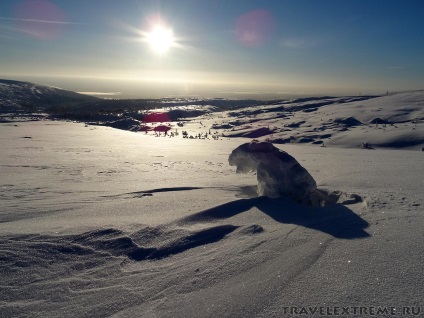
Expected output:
(16, 96)
(390, 121)
(100, 222)
(395, 120)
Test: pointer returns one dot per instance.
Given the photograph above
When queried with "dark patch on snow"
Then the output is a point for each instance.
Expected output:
(349, 121)
(366, 145)
(151, 192)
(222, 126)
(169, 189)
(124, 124)
(295, 125)
(252, 229)
(281, 140)
(302, 140)
(192, 240)
(379, 121)
(310, 110)
(263, 131)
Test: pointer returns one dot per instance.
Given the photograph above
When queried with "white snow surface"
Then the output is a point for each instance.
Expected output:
(99, 222)
(333, 121)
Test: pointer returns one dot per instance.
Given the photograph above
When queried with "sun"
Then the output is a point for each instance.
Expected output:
(160, 39)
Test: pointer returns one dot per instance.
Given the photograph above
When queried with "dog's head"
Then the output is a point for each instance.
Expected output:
(247, 157)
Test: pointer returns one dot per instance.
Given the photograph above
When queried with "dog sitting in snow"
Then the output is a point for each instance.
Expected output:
(278, 173)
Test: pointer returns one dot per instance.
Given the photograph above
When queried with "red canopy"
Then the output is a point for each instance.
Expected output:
(156, 118)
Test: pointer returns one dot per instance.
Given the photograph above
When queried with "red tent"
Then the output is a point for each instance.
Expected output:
(156, 118)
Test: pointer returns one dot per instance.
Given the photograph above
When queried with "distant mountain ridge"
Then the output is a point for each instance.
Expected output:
(17, 96)
(392, 120)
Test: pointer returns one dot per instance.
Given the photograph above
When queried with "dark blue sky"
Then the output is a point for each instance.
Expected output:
(221, 46)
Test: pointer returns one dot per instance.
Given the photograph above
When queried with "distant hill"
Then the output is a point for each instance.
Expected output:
(17, 96)
(395, 120)
(21, 97)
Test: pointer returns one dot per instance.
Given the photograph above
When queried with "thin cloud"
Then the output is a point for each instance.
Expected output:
(40, 21)
(101, 93)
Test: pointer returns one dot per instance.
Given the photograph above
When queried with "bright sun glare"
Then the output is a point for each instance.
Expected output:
(160, 39)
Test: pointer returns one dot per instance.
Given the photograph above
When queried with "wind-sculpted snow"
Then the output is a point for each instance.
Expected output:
(100, 222)
(116, 243)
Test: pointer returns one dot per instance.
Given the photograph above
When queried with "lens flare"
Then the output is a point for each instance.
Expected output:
(254, 28)
(41, 19)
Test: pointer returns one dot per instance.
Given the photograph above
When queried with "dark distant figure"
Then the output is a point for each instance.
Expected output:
(365, 145)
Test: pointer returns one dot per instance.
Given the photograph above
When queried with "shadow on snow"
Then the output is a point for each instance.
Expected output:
(336, 220)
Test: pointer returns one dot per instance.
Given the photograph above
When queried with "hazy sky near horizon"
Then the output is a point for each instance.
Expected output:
(221, 47)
